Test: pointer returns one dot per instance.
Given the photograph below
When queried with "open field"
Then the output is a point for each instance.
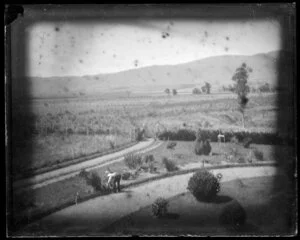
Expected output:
(265, 206)
(49, 131)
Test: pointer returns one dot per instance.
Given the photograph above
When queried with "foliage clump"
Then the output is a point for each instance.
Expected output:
(92, 179)
(204, 185)
(240, 78)
(171, 145)
(133, 161)
(202, 144)
(160, 207)
(169, 165)
(258, 155)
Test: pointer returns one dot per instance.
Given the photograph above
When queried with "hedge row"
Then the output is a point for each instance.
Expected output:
(256, 137)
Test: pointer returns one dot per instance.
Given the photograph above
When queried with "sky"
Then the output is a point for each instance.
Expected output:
(76, 49)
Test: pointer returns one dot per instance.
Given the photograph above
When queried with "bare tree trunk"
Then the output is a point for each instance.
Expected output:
(243, 119)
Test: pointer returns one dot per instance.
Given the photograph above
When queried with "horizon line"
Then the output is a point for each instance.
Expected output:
(129, 69)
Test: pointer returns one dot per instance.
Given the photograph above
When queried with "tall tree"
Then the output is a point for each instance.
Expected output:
(196, 91)
(240, 78)
(174, 91)
(208, 87)
(167, 91)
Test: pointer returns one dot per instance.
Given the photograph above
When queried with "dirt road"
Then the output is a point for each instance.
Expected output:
(70, 171)
(88, 218)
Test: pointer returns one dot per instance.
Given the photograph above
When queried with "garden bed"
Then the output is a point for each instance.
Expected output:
(263, 199)
(53, 197)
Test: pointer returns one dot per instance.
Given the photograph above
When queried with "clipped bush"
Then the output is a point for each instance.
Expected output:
(160, 207)
(139, 134)
(180, 135)
(202, 147)
(152, 168)
(212, 134)
(203, 185)
(233, 216)
(241, 160)
(126, 175)
(94, 180)
(171, 145)
(258, 155)
(149, 158)
(233, 153)
(169, 165)
(83, 173)
(234, 140)
(112, 144)
(133, 161)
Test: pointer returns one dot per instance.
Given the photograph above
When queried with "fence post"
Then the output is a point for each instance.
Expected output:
(76, 197)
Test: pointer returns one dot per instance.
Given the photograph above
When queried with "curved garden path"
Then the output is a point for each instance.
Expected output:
(88, 218)
(72, 170)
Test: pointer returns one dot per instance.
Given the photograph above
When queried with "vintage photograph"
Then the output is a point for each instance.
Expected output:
(151, 120)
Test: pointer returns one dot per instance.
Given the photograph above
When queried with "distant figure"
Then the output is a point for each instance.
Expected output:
(114, 180)
(157, 130)
(220, 137)
(143, 130)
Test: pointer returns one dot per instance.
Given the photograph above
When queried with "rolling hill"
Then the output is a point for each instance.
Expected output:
(216, 70)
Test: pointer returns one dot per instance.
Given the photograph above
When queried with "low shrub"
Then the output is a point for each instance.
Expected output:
(133, 161)
(139, 134)
(149, 158)
(241, 160)
(83, 173)
(126, 175)
(258, 155)
(247, 141)
(152, 168)
(160, 207)
(203, 185)
(171, 145)
(169, 165)
(112, 144)
(202, 147)
(94, 180)
(233, 152)
(233, 216)
(234, 140)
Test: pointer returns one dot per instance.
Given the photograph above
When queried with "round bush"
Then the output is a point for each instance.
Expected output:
(204, 185)
(159, 207)
(126, 175)
(247, 142)
(202, 147)
(206, 147)
(233, 216)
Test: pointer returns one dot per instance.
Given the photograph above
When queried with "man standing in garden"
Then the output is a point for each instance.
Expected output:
(114, 179)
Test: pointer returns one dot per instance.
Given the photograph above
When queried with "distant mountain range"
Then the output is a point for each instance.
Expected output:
(216, 70)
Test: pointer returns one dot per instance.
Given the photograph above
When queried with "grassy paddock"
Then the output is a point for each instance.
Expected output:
(57, 130)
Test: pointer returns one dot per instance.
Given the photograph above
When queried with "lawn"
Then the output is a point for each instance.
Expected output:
(263, 199)
(56, 195)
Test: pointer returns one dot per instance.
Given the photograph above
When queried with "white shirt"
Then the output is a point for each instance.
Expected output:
(110, 176)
